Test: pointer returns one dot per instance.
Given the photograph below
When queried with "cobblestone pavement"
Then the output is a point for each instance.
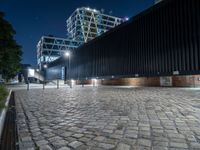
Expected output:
(113, 118)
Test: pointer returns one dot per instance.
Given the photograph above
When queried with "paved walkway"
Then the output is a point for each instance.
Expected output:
(109, 118)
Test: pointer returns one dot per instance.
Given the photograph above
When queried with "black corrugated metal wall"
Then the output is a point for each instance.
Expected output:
(157, 42)
(161, 40)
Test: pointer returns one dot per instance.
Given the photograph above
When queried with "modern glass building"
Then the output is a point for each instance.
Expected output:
(83, 25)
(50, 48)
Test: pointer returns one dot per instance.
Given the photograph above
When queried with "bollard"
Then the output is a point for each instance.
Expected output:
(93, 84)
(28, 86)
(57, 84)
(70, 84)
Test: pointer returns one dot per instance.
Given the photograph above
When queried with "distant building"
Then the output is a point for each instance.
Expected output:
(50, 48)
(29, 73)
(83, 25)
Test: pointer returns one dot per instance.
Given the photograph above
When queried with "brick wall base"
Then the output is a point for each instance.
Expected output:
(79, 82)
(153, 81)
(174, 81)
(186, 81)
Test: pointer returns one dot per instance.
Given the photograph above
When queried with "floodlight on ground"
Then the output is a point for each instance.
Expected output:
(73, 82)
(94, 81)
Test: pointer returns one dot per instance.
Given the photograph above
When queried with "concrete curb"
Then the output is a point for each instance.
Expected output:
(3, 114)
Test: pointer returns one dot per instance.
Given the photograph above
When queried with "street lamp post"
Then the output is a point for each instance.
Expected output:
(45, 69)
(65, 73)
(67, 55)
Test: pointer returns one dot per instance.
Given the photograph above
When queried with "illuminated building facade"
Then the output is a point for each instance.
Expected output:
(50, 48)
(83, 25)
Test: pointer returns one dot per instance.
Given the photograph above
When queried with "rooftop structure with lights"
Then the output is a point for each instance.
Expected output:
(82, 26)
(85, 24)
(157, 1)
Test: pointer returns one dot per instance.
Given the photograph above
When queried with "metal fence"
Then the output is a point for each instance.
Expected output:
(9, 136)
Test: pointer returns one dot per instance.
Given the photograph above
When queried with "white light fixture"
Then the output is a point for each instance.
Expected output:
(45, 65)
(126, 18)
(94, 10)
(67, 54)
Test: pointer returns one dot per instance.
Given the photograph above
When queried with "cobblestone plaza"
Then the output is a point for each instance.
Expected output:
(116, 118)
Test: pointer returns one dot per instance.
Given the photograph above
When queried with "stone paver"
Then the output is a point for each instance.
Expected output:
(123, 146)
(108, 118)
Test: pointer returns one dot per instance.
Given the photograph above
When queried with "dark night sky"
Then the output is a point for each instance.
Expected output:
(33, 18)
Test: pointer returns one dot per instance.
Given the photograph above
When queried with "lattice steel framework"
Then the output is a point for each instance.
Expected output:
(85, 24)
(51, 48)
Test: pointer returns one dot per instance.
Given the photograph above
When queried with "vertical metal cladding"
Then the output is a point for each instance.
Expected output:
(160, 41)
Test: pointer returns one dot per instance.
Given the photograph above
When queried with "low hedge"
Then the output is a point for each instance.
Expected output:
(3, 95)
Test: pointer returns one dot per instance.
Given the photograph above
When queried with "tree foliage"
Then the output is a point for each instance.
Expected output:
(3, 95)
(10, 51)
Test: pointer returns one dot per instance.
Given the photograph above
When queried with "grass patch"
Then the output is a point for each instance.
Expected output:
(3, 95)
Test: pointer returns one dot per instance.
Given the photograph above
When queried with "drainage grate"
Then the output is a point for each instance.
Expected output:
(9, 136)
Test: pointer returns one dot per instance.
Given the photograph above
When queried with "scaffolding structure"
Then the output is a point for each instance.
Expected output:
(85, 24)
(51, 48)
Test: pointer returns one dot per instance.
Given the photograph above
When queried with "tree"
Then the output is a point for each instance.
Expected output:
(10, 51)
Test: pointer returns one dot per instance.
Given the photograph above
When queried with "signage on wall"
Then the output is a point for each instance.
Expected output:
(175, 72)
(166, 81)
